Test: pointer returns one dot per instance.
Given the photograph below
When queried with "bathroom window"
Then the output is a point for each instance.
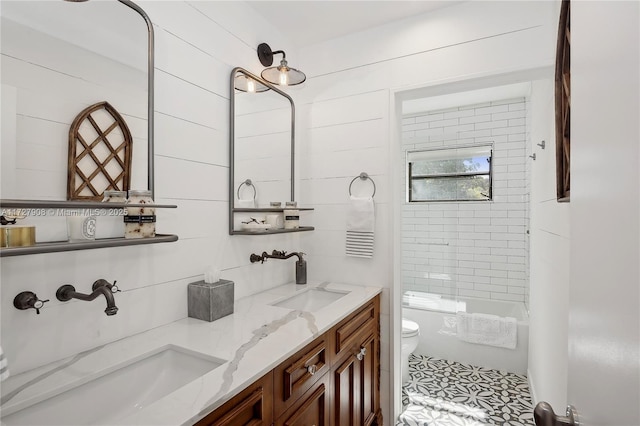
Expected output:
(453, 174)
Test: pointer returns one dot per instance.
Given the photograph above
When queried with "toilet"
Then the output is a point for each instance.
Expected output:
(410, 336)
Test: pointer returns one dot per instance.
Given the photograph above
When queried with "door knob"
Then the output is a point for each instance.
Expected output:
(544, 416)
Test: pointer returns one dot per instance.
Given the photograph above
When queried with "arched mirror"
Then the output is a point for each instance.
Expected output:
(262, 144)
(58, 58)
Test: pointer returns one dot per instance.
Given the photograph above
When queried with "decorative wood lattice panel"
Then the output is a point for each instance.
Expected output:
(100, 150)
(563, 104)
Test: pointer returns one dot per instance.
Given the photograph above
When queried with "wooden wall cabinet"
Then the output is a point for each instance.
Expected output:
(333, 381)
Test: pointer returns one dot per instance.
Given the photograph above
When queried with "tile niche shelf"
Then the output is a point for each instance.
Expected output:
(44, 207)
(270, 231)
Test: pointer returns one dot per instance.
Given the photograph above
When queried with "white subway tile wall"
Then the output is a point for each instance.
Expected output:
(471, 249)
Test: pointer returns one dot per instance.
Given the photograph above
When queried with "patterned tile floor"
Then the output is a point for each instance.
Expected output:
(448, 393)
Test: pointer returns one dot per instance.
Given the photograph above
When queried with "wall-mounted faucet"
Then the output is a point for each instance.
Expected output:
(100, 287)
(301, 264)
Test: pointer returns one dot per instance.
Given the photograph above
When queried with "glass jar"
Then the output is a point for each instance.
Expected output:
(114, 197)
(291, 215)
(109, 222)
(140, 221)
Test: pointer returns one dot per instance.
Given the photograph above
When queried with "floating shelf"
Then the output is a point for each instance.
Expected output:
(274, 231)
(85, 245)
(270, 209)
(52, 204)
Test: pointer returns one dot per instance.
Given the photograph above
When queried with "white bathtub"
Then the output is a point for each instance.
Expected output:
(437, 319)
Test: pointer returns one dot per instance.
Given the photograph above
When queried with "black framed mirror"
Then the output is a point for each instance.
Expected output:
(261, 145)
(58, 57)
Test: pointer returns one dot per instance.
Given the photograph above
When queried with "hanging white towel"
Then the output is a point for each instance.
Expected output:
(360, 227)
(4, 368)
(246, 204)
(485, 329)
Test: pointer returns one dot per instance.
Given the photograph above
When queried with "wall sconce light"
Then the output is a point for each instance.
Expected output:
(244, 83)
(282, 75)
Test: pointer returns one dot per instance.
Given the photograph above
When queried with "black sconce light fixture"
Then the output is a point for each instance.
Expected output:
(282, 75)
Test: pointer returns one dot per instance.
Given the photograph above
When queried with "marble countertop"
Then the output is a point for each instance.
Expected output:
(252, 341)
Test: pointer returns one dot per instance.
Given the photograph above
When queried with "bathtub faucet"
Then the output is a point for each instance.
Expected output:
(301, 264)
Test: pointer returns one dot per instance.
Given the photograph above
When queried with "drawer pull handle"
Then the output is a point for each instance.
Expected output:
(312, 369)
(360, 355)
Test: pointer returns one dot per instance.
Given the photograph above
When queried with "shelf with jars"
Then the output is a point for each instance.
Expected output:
(138, 232)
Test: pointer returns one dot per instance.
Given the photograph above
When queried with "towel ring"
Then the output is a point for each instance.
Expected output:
(363, 176)
(248, 183)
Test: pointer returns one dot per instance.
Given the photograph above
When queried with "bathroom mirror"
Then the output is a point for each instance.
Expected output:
(261, 143)
(59, 57)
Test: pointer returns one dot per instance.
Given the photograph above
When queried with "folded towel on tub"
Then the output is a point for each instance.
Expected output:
(485, 329)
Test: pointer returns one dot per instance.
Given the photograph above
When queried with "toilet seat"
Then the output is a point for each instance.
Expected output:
(410, 328)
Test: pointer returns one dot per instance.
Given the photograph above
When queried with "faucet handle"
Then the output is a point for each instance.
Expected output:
(115, 288)
(27, 300)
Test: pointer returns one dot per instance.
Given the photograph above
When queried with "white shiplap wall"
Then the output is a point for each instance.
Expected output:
(343, 129)
(197, 45)
(470, 249)
(346, 112)
(550, 266)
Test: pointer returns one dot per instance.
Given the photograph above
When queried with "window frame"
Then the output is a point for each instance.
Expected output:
(410, 178)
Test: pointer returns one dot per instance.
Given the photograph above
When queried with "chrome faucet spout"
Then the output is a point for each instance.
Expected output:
(100, 287)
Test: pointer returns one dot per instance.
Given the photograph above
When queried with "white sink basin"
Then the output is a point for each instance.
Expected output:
(122, 392)
(311, 300)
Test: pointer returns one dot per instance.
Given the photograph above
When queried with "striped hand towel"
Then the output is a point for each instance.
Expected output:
(360, 227)
(4, 369)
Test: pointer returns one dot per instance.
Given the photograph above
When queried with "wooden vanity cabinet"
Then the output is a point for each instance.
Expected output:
(356, 368)
(253, 406)
(312, 409)
(297, 374)
(333, 381)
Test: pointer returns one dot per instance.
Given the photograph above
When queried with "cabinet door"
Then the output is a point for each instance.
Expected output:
(312, 409)
(253, 406)
(356, 372)
(346, 393)
(356, 389)
(369, 387)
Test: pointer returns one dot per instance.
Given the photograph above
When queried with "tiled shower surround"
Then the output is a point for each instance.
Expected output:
(473, 248)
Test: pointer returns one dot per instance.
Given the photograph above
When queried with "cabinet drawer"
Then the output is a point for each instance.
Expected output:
(253, 406)
(297, 374)
(312, 409)
(349, 331)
